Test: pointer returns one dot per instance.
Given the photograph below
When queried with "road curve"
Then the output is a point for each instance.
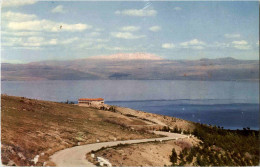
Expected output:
(76, 156)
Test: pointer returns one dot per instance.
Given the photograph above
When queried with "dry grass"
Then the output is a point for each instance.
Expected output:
(31, 127)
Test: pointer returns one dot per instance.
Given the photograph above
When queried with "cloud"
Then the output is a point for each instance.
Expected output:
(168, 45)
(27, 48)
(84, 45)
(91, 46)
(94, 34)
(192, 42)
(115, 48)
(257, 43)
(53, 42)
(241, 45)
(20, 33)
(90, 43)
(30, 22)
(232, 35)
(35, 41)
(12, 16)
(38, 42)
(93, 40)
(242, 42)
(198, 47)
(58, 9)
(220, 45)
(99, 29)
(137, 12)
(47, 25)
(126, 35)
(26, 42)
(177, 8)
(15, 3)
(100, 40)
(155, 28)
(130, 28)
(69, 41)
(11, 41)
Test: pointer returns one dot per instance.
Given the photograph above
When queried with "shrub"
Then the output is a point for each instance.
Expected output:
(173, 157)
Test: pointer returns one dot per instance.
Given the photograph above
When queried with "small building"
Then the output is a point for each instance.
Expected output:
(87, 101)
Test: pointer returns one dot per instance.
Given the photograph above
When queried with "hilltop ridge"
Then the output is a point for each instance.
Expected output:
(134, 66)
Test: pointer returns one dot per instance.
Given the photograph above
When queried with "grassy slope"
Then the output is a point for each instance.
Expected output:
(31, 127)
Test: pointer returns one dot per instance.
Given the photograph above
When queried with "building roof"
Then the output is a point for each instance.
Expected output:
(87, 99)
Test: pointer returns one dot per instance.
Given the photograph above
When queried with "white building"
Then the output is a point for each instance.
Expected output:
(90, 102)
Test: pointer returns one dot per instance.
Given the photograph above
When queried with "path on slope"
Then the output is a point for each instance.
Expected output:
(76, 156)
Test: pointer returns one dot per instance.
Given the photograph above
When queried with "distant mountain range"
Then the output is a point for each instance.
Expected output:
(129, 56)
(134, 66)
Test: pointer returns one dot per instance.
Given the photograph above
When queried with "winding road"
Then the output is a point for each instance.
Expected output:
(76, 156)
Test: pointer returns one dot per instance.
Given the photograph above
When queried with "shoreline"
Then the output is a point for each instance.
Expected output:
(231, 127)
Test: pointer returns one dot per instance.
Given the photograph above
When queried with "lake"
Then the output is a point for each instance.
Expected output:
(230, 104)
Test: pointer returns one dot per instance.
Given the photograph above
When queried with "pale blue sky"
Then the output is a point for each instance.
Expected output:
(172, 30)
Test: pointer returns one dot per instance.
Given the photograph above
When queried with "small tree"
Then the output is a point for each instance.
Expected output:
(165, 128)
(173, 157)
(176, 130)
(189, 158)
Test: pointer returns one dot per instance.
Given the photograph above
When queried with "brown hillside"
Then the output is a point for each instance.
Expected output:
(32, 127)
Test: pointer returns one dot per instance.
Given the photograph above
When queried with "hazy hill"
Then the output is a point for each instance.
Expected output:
(41, 72)
(137, 66)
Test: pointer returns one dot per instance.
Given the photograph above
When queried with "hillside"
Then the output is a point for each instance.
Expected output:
(32, 127)
(134, 67)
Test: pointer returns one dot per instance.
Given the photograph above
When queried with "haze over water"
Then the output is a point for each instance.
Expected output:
(230, 104)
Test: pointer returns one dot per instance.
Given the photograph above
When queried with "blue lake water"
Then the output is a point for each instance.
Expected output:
(229, 116)
(230, 104)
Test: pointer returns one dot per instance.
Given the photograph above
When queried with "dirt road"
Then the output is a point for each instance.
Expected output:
(76, 156)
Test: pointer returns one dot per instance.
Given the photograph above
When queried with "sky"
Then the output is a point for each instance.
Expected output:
(54, 30)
